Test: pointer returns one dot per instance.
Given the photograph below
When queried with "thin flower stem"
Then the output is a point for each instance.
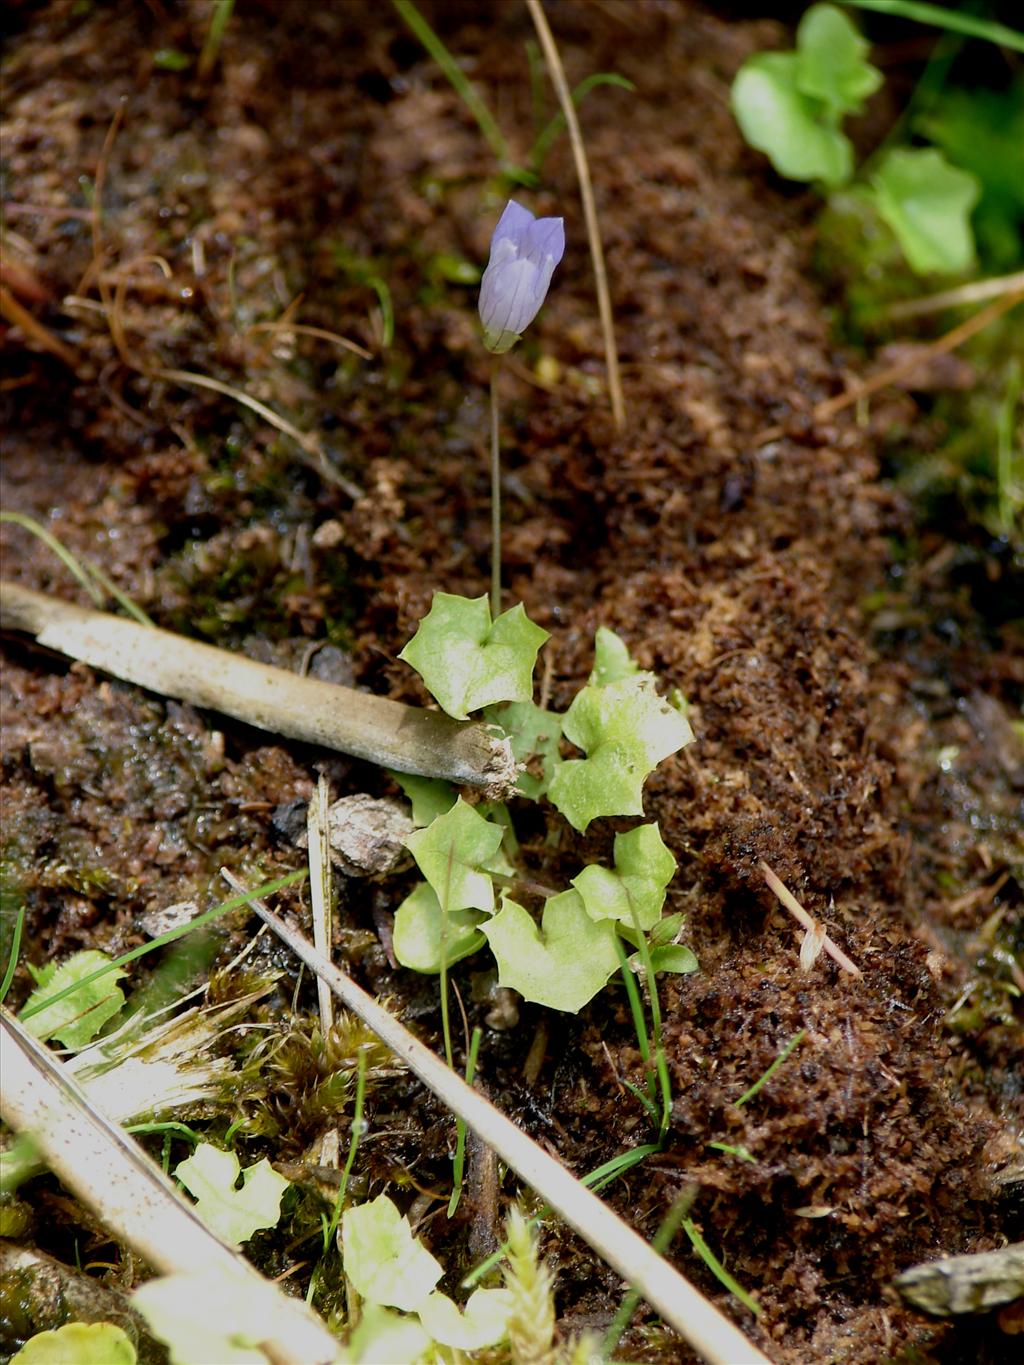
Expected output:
(579, 152)
(495, 497)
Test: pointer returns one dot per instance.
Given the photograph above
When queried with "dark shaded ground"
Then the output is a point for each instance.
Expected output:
(325, 149)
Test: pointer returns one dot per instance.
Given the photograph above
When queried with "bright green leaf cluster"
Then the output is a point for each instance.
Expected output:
(790, 105)
(468, 662)
(625, 729)
(76, 1019)
(232, 1214)
(634, 892)
(78, 1343)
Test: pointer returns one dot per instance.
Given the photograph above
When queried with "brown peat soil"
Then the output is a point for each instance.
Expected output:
(157, 222)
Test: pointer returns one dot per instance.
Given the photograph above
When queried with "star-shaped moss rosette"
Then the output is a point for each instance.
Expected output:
(467, 661)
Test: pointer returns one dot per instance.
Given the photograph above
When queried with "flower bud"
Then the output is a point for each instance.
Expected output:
(524, 253)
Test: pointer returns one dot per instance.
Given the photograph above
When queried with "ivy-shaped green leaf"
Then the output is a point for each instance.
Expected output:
(612, 659)
(634, 892)
(421, 925)
(78, 1343)
(535, 735)
(625, 729)
(561, 964)
(78, 1018)
(467, 661)
(232, 1214)
(384, 1261)
(832, 64)
(453, 852)
(798, 133)
(927, 203)
(482, 1323)
(428, 796)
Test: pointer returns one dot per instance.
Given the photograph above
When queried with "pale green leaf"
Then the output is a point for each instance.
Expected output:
(78, 1018)
(382, 1335)
(927, 203)
(78, 1343)
(625, 729)
(634, 892)
(482, 1324)
(832, 65)
(387, 1265)
(674, 957)
(428, 796)
(798, 132)
(417, 939)
(665, 930)
(612, 659)
(466, 661)
(535, 735)
(233, 1215)
(453, 852)
(206, 1316)
(562, 964)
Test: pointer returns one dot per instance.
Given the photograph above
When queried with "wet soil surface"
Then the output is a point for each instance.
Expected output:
(728, 537)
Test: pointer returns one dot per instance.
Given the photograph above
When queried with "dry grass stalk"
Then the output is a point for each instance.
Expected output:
(579, 153)
(817, 938)
(320, 893)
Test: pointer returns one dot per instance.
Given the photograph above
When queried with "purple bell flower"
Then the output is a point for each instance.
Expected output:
(524, 253)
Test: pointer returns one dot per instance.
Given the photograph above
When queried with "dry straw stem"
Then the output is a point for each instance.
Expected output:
(866, 387)
(19, 316)
(979, 291)
(815, 929)
(579, 153)
(110, 1173)
(682, 1306)
(389, 733)
(320, 893)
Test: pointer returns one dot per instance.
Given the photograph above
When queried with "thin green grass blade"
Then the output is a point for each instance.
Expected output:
(460, 1126)
(793, 1043)
(235, 903)
(938, 16)
(484, 118)
(661, 1241)
(12, 957)
(718, 1269)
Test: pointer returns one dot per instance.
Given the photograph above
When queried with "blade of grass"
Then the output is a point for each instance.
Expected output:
(661, 1241)
(579, 152)
(783, 1056)
(235, 903)
(718, 1269)
(556, 124)
(460, 1126)
(353, 1147)
(460, 84)
(219, 19)
(938, 16)
(12, 958)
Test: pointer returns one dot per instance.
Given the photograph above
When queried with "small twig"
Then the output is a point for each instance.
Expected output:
(320, 893)
(790, 902)
(579, 152)
(408, 739)
(864, 388)
(679, 1303)
(978, 291)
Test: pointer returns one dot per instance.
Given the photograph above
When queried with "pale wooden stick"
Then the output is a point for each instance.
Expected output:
(406, 738)
(110, 1173)
(320, 894)
(978, 291)
(579, 153)
(813, 926)
(697, 1320)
